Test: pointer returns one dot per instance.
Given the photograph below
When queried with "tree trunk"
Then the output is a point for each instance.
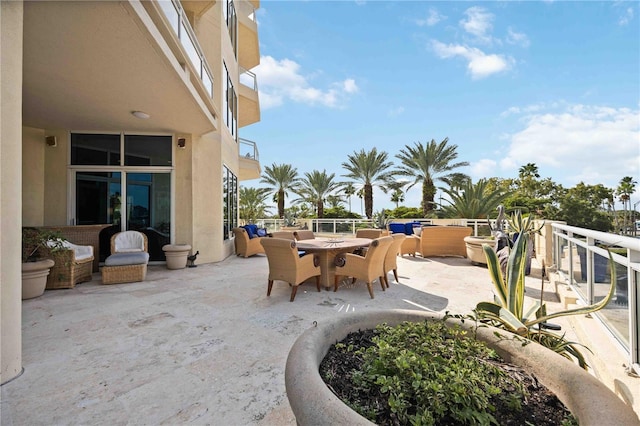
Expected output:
(368, 200)
(320, 207)
(428, 194)
(281, 204)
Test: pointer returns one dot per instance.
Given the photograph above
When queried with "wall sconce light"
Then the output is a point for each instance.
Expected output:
(182, 142)
(51, 141)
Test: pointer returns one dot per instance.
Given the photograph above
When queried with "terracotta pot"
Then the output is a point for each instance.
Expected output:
(313, 403)
(34, 277)
(176, 255)
(474, 248)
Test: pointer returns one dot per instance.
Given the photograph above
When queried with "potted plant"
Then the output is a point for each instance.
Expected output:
(516, 341)
(37, 246)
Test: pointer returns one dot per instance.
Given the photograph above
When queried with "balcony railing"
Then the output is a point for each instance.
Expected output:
(180, 24)
(248, 79)
(581, 256)
(249, 149)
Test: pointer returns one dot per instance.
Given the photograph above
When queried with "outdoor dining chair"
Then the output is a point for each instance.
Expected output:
(367, 268)
(286, 265)
(390, 259)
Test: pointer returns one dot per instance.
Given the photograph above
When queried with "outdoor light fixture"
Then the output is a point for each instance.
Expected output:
(141, 115)
(182, 142)
(51, 141)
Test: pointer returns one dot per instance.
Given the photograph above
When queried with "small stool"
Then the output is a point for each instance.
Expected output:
(125, 268)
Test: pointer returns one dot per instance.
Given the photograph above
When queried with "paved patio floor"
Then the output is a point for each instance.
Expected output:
(201, 345)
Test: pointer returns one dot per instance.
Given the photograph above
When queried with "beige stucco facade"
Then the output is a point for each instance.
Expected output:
(84, 67)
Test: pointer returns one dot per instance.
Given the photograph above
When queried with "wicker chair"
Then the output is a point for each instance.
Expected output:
(287, 235)
(246, 246)
(366, 268)
(371, 233)
(73, 265)
(128, 260)
(304, 235)
(444, 241)
(390, 260)
(286, 265)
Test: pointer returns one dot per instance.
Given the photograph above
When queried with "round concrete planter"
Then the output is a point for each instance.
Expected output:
(34, 277)
(474, 248)
(313, 403)
(176, 255)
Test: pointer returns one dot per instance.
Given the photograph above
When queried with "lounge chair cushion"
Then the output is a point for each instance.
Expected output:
(396, 228)
(252, 230)
(262, 232)
(129, 242)
(121, 259)
(80, 252)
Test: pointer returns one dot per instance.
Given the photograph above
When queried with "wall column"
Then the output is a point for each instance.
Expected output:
(11, 42)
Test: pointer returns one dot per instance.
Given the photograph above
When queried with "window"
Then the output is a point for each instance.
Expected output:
(230, 107)
(229, 202)
(232, 24)
(133, 196)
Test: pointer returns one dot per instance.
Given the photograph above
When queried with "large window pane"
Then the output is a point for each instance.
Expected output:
(95, 150)
(230, 202)
(143, 150)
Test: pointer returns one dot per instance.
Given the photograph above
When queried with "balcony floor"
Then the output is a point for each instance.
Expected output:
(205, 345)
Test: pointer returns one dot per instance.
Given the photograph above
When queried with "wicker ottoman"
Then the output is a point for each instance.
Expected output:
(125, 268)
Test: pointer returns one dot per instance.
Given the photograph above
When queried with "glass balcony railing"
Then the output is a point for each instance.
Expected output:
(581, 256)
(180, 24)
(248, 149)
(248, 79)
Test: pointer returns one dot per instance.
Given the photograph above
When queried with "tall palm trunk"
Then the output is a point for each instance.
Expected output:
(320, 207)
(428, 195)
(281, 203)
(368, 200)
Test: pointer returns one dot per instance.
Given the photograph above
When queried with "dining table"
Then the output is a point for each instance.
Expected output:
(327, 249)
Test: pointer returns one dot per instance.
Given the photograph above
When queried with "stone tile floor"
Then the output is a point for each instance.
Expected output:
(206, 346)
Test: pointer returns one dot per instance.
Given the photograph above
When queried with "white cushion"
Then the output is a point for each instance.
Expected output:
(129, 242)
(80, 252)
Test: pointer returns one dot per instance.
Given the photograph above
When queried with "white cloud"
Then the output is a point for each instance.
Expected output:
(478, 23)
(514, 37)
(432, 19)
(587, 143)
(483, 168)
(480, 64)
(281, 80)
(627, 17)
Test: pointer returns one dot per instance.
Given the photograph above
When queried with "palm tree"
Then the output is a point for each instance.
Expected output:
(626, 187)
(334, 200)
(252, 203)
(349, 189)
(280, 178)
(473, 201)
(527, 176)
(397, 190)
(426, 163)
(370, 169)
(315, 187)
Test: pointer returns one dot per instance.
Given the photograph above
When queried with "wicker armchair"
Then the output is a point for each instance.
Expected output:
(390, 259)
(128, 260)
(286, 265)
(73, 265)
(287, 235)
(246, 246)
(444, 241)
(366, 268)
(304, 235)
(371, 233)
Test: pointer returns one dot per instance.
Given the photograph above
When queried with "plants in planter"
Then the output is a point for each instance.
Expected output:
(313, 402)
(37, 247)
(508, 310)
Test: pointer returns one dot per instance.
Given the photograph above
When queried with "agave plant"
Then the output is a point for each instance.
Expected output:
(508, 310)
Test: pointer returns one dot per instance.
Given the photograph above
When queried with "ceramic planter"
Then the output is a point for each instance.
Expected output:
(176, 255)
(313, 403)
(34, 277)
(474, 248)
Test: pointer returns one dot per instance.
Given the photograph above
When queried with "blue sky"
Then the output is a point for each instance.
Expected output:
(510, 83)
